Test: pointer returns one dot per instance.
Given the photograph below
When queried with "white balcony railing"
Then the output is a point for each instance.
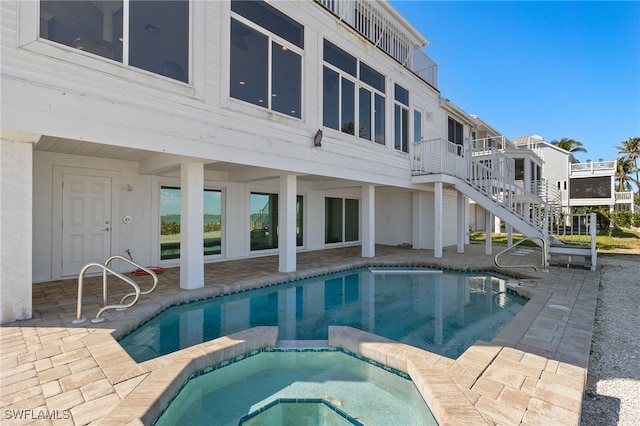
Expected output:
(385, 32)
(592, 166)
(624, 197)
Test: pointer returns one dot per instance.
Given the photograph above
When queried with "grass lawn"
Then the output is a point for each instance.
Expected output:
(620, 240)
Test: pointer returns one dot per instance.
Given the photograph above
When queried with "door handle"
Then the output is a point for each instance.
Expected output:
(105, 229)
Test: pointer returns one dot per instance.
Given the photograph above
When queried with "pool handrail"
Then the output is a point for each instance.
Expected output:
(105, 270)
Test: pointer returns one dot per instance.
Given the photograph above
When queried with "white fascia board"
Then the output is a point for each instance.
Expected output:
(456, 110)
(419, 38)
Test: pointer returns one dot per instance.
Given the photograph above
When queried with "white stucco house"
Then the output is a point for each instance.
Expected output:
(188, 132)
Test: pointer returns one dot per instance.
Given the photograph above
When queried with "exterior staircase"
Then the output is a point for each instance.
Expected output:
(487, 177)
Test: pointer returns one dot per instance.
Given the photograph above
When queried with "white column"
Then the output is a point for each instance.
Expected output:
(368, 209)
(487, 226)
(16, 225)
(467, 219)
(438, 221)
(287, 223)
(461, 222)
(509, 235)
(191, 224)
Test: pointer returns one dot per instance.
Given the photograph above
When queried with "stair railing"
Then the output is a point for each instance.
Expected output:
(106, 270)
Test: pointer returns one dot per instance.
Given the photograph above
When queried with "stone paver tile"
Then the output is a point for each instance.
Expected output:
(535, 361)
(48, 351)
(27, 358)
(94, 410)
(9, 389)
(571, 383)
(534, 418)
(43, 364)
(559, 395)
(51, 388)
(20, 395)
(515, 398)
(510, 378)
(71, 356)
(97, 389)
(19, 377)
(76, 381)
(17, 373)
(499, 412)
(23, 408)
(65, 400)
(83, 364)
(553, 411)
(488, 387)
(54, 373)
(569, 370)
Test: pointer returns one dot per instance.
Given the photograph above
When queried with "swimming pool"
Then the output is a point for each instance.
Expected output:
(362, 391)
(442, 312)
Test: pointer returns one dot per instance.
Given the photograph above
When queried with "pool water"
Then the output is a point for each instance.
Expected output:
(442, 312)
(365, 392)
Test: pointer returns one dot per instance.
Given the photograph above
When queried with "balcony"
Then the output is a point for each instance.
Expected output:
(603, 168)
(384, 29)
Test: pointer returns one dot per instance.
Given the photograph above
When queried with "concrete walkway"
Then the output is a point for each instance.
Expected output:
(533, 372)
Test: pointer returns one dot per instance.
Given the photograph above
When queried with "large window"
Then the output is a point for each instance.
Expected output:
(170, 212)
(401, 119)
(266, 57)
(342, 222)
(156, 37)
(591, 187)
(353, 95)
(263, 220)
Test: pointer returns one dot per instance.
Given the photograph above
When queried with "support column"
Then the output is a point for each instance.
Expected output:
(461, 222)
(487, 226)
(438, 222)
(16, 225)
(191, 226)
(419, 234)
(368, 220)
(287, 223)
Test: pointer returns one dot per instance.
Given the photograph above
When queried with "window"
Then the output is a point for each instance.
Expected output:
(156, 40)
(456, 133)
(417, 126)
(170, 211)
(342, 75)
(591, 187)
(263, 221)
(266, 57)
(342, 223)
(401, 119)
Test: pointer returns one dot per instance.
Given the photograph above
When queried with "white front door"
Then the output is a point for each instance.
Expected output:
(86, 221)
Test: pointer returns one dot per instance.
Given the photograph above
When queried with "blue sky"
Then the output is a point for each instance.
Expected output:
(552, 68)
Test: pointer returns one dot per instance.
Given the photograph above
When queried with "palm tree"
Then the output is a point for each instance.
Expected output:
(624, 168)
(570, 145)
(631, 149)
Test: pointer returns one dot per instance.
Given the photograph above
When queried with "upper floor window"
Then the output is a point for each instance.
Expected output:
(345, 109)
(266, 57)
(455, 132)
(150, 35)
(401, 119)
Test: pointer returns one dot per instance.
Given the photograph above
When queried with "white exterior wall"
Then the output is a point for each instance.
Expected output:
(136, 128)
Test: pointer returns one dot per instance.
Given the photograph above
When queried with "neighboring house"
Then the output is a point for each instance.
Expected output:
(581, 185)
(188, 132)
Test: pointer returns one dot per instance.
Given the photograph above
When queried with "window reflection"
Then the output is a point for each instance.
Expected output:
(249, 64)
(158, 32)
(265, 72)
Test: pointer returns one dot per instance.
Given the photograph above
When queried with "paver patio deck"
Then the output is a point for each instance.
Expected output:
(532, 373)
